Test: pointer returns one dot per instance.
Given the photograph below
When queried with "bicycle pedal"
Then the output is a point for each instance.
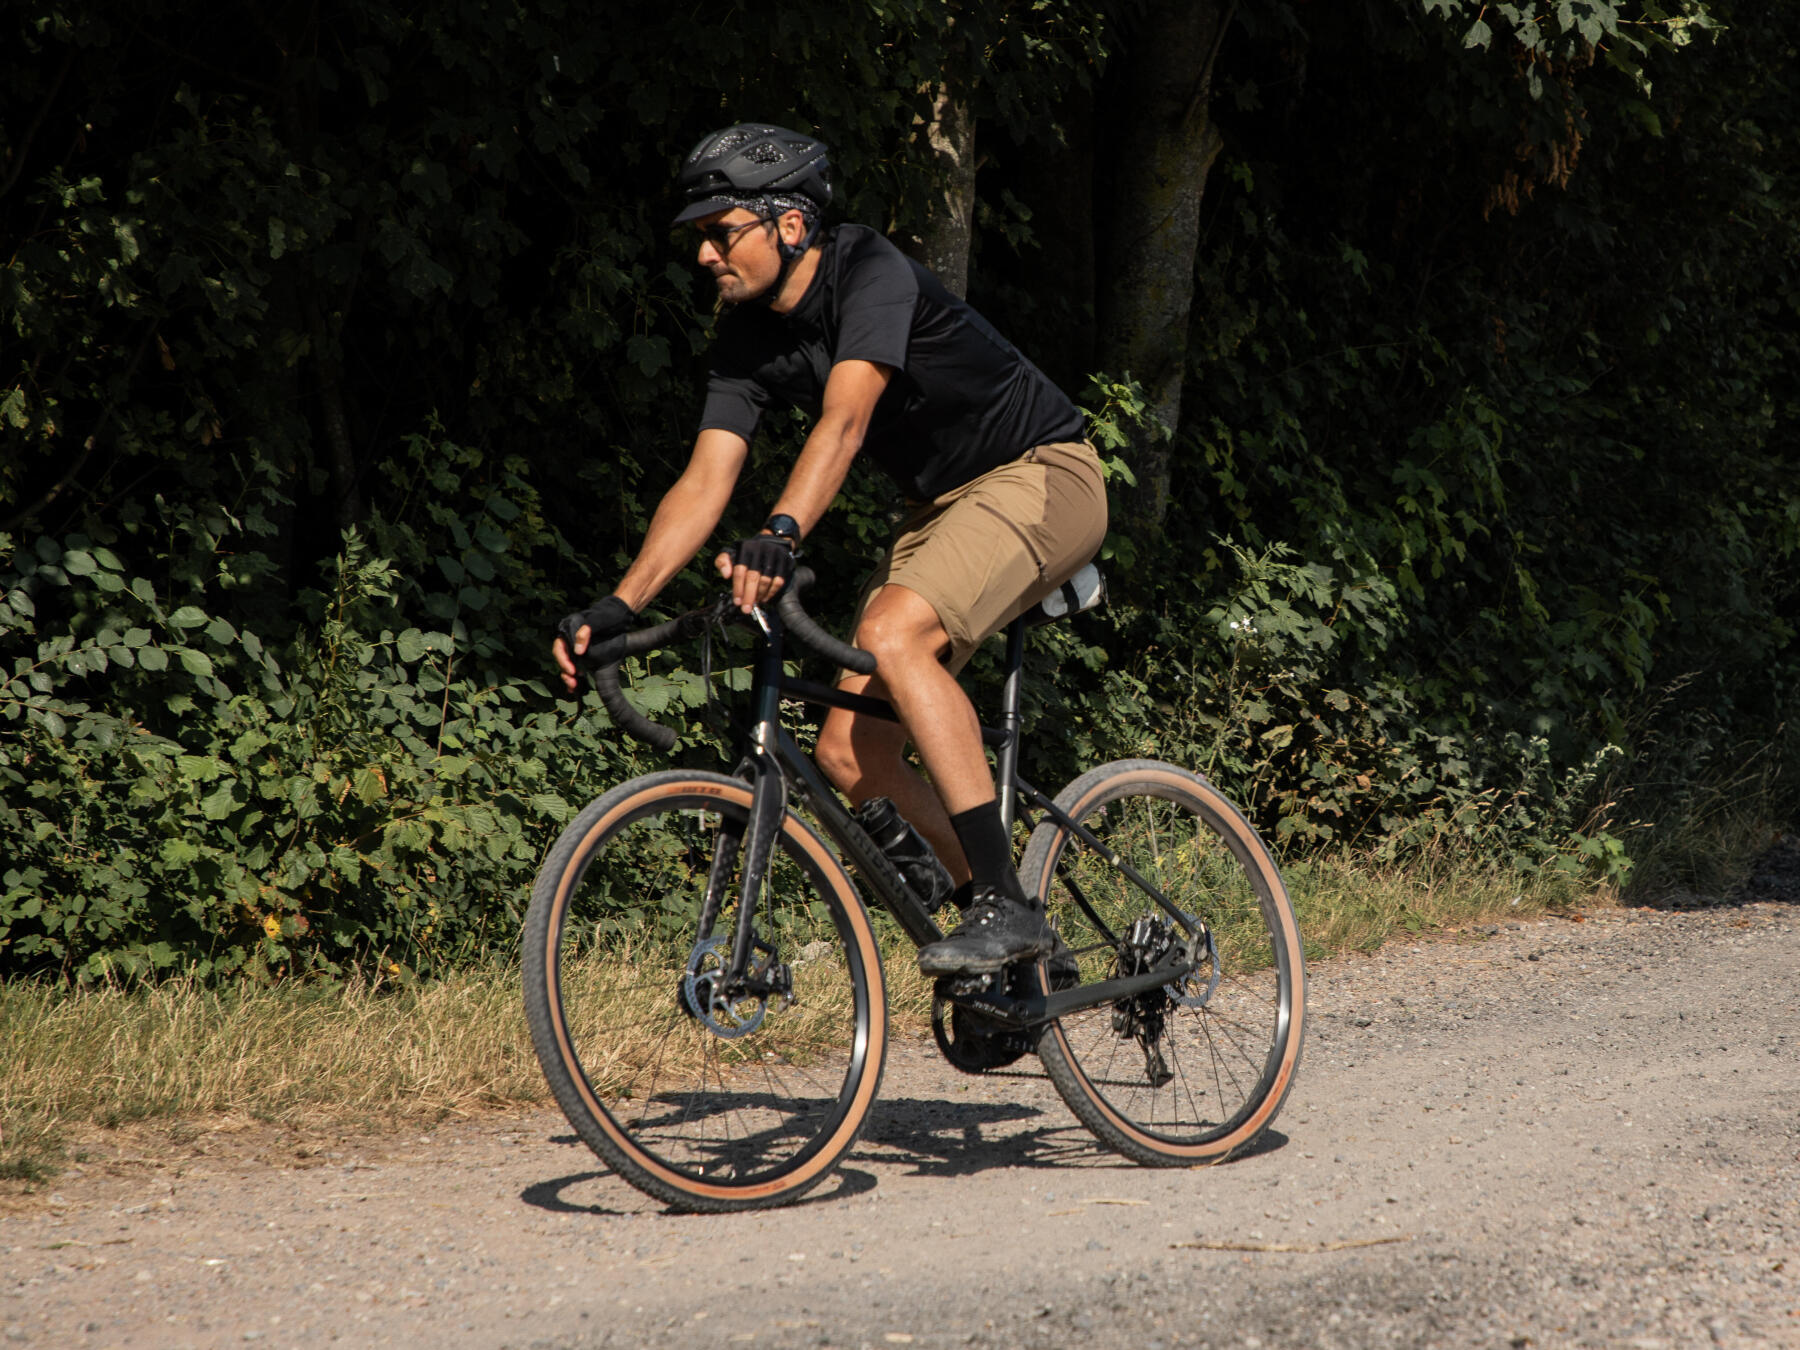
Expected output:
(962, 986)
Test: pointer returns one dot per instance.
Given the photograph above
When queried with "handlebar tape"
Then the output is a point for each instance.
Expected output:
(606, 677)
(802, 626)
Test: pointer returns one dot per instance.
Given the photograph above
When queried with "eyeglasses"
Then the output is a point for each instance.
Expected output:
(721, 237)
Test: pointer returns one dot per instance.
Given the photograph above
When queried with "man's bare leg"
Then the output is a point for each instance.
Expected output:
(1000, 926)
(865, 756)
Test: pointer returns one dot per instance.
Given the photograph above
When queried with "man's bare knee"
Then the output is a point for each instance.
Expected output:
(900, 628)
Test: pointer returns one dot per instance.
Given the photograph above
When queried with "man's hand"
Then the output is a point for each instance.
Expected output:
(757, 569)
(585, 627)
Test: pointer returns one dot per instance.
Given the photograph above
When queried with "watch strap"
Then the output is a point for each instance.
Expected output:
(784, 526)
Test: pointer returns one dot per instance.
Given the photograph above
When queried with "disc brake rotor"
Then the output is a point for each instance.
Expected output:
(1203, 954)
(702, 990)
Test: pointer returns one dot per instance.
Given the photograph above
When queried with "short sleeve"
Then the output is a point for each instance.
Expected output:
(735, 398)
(733, 403)
(877, 297)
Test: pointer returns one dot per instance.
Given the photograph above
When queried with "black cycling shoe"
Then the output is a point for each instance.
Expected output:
(995, 932)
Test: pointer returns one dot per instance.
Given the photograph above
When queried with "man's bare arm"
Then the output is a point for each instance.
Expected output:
(684, 521)
(686, 516)
(851, 392)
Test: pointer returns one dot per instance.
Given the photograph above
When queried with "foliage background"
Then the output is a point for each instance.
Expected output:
(342, 347)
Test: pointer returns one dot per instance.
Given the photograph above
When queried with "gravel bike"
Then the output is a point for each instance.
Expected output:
(704, 985)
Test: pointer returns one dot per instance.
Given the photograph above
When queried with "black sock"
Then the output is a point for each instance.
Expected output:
(984, 843)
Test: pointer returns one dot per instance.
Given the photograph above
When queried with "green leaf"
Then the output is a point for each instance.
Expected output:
(187, 617)
(198, 768)
(649, 354)
(221, 802)
(79, 563)
(551, 805)
(195, 662)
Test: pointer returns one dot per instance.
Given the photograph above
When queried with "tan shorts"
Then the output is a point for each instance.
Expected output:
(984, 553)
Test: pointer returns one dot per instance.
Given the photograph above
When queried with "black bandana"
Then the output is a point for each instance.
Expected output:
(774, 205)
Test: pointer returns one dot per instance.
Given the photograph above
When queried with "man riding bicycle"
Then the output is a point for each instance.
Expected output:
(1005, 501)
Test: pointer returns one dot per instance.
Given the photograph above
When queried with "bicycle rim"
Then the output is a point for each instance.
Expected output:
(1192, 1072)
(738, 1105)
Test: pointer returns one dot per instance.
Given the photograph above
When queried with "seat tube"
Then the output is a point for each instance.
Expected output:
(1006, 774)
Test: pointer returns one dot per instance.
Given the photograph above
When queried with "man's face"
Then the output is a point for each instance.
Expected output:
(738, 248)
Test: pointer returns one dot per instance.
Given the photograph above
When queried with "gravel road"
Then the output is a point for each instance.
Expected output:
(1553, 1133)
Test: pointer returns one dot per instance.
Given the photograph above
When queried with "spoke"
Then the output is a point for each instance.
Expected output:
(1180, 1070)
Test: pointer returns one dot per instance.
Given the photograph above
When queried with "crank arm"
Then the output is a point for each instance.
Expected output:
(1036, 1009)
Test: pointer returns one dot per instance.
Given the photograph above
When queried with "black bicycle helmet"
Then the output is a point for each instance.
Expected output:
(753, 160)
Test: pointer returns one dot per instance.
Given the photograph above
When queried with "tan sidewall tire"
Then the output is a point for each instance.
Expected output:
(1126, 778)
(556, 883)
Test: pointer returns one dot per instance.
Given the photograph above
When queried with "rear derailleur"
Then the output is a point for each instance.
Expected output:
(1152, 942)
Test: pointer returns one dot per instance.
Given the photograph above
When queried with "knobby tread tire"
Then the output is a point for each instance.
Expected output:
(1165, 787)
(580, 842)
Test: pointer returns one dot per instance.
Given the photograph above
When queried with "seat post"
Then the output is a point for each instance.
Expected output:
(1006, 774)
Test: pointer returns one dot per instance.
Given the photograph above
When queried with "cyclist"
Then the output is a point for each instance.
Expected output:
(1005, 501)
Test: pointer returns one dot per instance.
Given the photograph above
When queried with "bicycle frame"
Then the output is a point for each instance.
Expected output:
(774, 763)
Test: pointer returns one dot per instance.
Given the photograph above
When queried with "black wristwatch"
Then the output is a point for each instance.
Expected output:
(786, 528)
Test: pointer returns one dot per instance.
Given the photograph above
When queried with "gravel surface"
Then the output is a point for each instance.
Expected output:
(1566, 1132)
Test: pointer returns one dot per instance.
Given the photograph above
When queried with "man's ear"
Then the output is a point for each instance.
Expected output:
(792, 227)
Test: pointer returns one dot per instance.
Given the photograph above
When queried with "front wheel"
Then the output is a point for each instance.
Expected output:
(1194, 1070)
(707, 1097)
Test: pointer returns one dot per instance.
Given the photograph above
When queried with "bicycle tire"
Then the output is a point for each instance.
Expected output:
(703, 1121)
(1230, 1055)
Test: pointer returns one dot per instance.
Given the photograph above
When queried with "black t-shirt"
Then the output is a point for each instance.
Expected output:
(962, 399)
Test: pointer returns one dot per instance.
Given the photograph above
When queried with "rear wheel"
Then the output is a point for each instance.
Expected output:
(1194, 1070)
(705, 1097)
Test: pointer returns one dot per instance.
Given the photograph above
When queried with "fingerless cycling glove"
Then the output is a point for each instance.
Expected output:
(603, 619)
(767, 554)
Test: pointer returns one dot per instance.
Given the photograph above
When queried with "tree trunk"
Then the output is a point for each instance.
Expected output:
(950, 225)
(1166, 144)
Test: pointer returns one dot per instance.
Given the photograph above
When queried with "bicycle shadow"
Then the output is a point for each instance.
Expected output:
(937, 1137)
(943, 1137)
(622, 1200)
(926, 1136)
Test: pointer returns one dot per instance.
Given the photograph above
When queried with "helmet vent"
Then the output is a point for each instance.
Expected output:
(766, 153)
(725, 144)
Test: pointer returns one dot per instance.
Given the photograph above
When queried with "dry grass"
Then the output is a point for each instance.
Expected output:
(381, 1055)
(1346, 904)
(108, 1056)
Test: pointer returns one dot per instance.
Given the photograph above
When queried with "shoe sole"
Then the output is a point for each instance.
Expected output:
(989, 966)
